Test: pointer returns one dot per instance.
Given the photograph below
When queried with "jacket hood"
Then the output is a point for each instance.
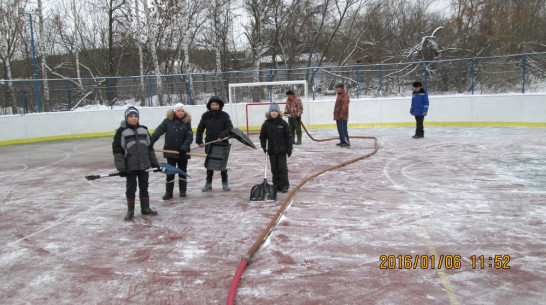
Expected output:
(215, 99)
(186, 119)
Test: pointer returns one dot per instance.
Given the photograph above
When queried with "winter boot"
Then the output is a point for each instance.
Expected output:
(298, 142)
(419, 135)
(169, 186)
(130, 209)
(145, 207)
(225, 186)
(207, 187)
(182, 187)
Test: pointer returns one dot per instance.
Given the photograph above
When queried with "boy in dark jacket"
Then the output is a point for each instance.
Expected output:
(178, 137)
(275, 133)
(419, 108)
(133, 155)
(218, 124)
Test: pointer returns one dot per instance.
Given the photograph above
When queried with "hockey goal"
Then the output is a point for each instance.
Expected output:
(258, 96)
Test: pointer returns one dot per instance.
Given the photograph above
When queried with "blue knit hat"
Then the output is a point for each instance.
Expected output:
(274, 107)
(131, 110)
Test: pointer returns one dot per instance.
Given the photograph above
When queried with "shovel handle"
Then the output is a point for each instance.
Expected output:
(176, 152)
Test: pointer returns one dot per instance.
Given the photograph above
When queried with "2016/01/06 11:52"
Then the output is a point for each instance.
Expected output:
(497, 261)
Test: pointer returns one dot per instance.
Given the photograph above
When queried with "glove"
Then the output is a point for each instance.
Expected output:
(159, 169)
(182, 153)
(289, 153)
(123, 173)
(424, 114)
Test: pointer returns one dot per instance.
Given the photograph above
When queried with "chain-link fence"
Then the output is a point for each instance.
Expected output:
(521, 73)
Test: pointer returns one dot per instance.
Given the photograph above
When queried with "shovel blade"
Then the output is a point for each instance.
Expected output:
(263, 192)
(217, 156)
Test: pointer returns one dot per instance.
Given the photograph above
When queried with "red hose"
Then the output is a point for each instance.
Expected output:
(235, 281)
(267, 231)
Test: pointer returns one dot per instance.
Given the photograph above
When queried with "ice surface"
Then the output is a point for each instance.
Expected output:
(460, 191)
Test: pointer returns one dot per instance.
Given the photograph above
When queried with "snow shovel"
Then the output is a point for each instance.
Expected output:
(236, 134)
(217, 157)
(165, 168)
(264, 192)
(241, 137)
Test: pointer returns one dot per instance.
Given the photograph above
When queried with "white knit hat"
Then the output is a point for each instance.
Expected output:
(178, 106)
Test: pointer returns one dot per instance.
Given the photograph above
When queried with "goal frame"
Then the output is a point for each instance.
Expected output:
(264, 84)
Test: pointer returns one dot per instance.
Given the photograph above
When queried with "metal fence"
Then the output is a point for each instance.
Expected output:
(519, 73)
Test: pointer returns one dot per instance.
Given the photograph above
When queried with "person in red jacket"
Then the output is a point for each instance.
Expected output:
(341, 115)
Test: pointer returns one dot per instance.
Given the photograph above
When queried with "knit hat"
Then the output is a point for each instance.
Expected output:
(274, 107)
(131, 110)
(289, 92)
(178, 106)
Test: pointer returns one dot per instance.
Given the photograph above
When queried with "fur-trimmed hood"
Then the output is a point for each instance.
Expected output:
(186, 119)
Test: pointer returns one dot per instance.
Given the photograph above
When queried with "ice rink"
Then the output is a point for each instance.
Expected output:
(455, 218)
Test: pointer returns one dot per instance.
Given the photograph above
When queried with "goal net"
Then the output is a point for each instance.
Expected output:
(258, 96)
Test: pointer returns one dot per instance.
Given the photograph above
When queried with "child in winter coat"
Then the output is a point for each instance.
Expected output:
(419, 108)
(218, 124)
(133, 155)
(178, 137)
(275, 133)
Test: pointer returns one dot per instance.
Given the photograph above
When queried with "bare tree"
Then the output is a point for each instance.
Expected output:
(11, 25)
(259, 12)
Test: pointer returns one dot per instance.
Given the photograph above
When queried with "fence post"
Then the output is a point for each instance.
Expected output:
(228, 80)
(425, 76)
(150, 89)
(270, 87)
(357, 83)
(189, 89)
(472, 75)
(523, 64)
(313, 81)
(110, 93)
(67, 94)
(22, 97)
(380, 80)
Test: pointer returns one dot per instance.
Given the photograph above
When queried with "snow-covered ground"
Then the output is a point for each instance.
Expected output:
(460, 194)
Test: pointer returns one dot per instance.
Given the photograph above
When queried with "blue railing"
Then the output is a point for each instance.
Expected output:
(517, 73)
